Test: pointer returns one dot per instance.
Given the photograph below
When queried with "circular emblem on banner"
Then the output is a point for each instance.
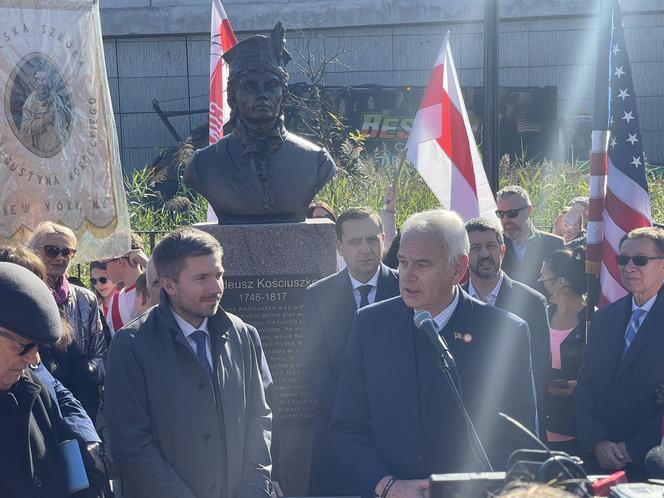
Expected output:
(38, 105)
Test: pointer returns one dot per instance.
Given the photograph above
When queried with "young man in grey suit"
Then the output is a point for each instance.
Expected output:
(330, 306)
(186, 412)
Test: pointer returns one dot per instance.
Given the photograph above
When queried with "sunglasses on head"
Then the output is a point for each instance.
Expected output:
(101, 280)
(510, 213)
(55, 251)
(25, 348)
(622, 259)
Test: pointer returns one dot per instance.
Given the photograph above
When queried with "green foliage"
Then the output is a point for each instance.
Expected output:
(551, 187)
(149, 213)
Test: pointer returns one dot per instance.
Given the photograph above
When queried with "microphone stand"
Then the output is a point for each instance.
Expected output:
(446, 364)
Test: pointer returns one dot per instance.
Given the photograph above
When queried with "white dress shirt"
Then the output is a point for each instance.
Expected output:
(493, 295)
(373, 282)
(188, 329)
(444, 316)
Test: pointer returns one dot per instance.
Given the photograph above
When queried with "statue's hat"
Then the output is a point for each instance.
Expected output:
(259, 51)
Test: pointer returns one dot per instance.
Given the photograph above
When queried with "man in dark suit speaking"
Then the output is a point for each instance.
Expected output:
(329, 308)
(618, 416)
(395, 421)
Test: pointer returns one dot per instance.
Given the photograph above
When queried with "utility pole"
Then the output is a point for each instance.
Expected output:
(491, 135)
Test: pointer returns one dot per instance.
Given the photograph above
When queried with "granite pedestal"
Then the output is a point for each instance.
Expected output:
(267, 269)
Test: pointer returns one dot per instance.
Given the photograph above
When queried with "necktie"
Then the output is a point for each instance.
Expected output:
(364, 294)
(199, 337)
(633, 327)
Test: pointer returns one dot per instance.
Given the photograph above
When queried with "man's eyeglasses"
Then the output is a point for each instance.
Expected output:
(623, 259)
(110, 260)
(54, 251)
(25, 348)
(546, 279)
(101, 280)
(510, 213)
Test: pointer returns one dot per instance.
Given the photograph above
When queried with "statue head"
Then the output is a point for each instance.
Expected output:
(257, 81)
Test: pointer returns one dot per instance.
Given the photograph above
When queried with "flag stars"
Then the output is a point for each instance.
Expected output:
(623, 94)
(631, 138)
(616, 49)
(614, 142)
(636, 161)
(628, 116)
(619, 72)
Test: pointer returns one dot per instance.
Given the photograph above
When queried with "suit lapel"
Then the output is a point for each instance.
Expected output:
(346, 302)
(650, 327)
(504, 293)
(442, 393)
(245, 180)
(384, 287)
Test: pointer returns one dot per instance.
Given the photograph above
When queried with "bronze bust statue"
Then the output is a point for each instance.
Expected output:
(261, 172)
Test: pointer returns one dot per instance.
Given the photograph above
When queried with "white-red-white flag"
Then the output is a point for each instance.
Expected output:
(442, 147)
(222, 39)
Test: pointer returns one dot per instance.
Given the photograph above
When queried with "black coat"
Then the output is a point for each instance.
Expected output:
(168, 435)
(395, 413)
(328, 315)
(616, 396)
(72, 369)
(29, 435)
(560, 410)
(540, 245)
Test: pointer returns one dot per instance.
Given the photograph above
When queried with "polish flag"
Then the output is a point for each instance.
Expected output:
(222, 39)
(442, 147)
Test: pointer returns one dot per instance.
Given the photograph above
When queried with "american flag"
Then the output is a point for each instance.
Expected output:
(222, 39)
(619, 198)
(442, 147)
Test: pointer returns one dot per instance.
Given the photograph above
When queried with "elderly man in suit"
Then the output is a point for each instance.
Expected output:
(618, 416)
(526, 247)
(395, 420)
(186, 411)
(330, 305)
(489, 284)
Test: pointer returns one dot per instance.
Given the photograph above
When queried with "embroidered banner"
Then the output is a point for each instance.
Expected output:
(59, 156)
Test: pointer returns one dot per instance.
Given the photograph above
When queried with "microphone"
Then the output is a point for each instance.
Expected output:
(424, 321)
(655, 463)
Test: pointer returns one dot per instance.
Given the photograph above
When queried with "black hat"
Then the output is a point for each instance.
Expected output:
(259, 51)
(27, 306)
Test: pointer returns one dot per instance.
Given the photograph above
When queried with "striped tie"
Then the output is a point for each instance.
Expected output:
(633, 327)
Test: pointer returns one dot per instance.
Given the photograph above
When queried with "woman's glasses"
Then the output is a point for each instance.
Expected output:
(101, 280)
(55, 251)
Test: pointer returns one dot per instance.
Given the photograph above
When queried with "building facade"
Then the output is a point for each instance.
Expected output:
(159, 49)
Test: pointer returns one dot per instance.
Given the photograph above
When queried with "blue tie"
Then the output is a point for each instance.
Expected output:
(199, 337)
(633, 327)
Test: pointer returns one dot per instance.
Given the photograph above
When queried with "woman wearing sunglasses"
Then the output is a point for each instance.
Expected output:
(56, 246)
(102, 285)
(563, 280)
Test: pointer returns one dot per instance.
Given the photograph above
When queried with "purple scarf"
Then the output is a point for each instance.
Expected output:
(61, 291)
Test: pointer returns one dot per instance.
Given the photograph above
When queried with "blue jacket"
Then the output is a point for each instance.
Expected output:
(395, 413)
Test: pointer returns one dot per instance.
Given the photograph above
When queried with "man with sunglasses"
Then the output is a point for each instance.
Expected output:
(125, 268)
(30, 430)
(526, 247)
(618, 418)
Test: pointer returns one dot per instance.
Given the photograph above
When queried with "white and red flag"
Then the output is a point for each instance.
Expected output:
(222, 39)
(619, 198)
(442, 147)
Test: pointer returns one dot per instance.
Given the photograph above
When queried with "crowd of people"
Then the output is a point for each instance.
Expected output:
(168, 395)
